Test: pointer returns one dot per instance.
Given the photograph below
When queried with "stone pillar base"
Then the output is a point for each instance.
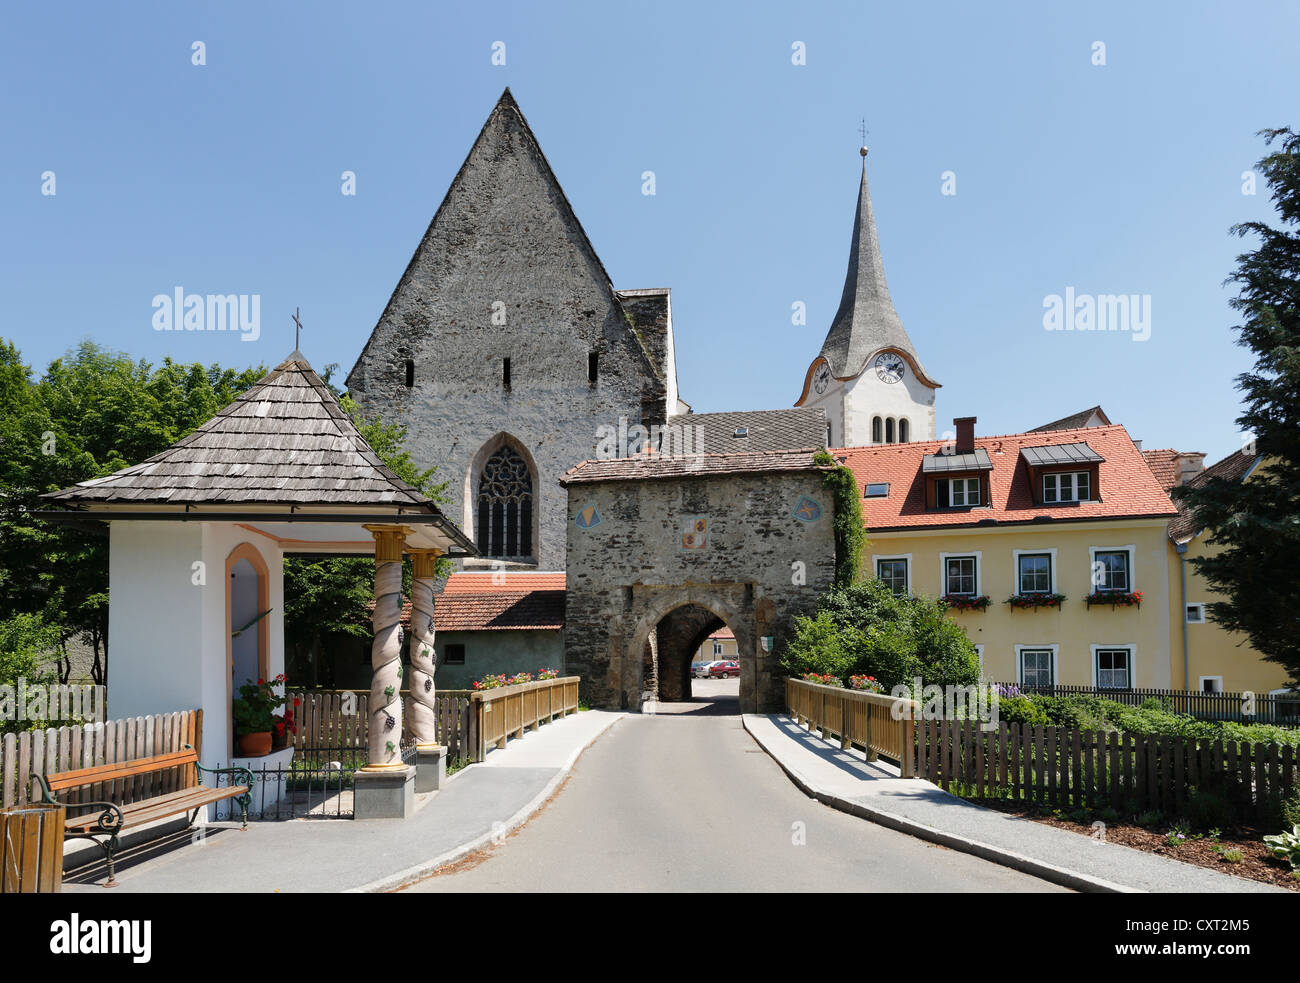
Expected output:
(383, 794)
(430, 767)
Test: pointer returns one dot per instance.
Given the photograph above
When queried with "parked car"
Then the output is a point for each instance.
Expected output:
(724, 670)
(700, 670)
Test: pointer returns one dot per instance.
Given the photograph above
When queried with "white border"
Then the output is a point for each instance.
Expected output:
(1201, 684)
(943, 569)
(1020, 667)
(1015, 568)
(875, 570)
(1042, 488)
(1132, 663)
(1130, 549)
(1195, 604)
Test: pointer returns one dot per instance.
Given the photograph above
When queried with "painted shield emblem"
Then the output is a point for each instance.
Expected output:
(695, 532)
(587, 517)
(808, 510)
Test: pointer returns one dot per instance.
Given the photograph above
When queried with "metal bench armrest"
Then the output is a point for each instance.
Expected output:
(236, 772)
(106, 822)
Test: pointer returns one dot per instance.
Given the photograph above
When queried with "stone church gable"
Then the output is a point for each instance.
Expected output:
(504, 331)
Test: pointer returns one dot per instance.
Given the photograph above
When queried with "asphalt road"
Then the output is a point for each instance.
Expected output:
(685, 800)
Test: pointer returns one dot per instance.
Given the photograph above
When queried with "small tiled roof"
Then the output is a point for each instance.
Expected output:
(976, 460)
(655, 466)
(1052, 454)
(1075, 420)
(1235, 467)
(284, 441)
(766, 430)
(470, 601)
(1164, 465)
(1126, 485)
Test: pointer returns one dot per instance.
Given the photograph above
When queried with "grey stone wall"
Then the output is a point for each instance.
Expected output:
(506, 243)
(629, 571)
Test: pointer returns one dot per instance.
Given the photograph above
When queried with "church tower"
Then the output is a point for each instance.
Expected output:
(868, 378)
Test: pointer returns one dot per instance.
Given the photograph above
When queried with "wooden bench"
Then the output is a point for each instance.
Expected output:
(106, 820)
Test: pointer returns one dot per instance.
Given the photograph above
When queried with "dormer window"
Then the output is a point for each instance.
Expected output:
(961, 491)
(1067, 486)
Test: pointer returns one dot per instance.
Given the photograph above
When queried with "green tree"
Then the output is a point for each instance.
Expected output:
(94, 412)
(1256, 523)
(864, 629)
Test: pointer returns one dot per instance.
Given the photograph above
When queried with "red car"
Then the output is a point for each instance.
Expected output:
(722, 670)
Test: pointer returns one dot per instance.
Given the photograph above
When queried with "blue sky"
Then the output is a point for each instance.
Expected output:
(225, 178)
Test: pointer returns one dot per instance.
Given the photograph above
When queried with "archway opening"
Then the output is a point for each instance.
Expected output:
(692, 656)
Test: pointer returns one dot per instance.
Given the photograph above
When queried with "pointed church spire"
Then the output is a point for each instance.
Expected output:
(866, 320)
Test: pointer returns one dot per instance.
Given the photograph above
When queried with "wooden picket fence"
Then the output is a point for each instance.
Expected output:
(468, 721)
(1281, 709)
(1094, 769)
(57, 749)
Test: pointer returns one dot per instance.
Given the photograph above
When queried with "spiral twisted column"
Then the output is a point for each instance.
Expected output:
(424, 714)
(385, 724)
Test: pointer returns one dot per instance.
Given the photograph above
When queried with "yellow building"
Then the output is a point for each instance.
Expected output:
(1050, 548)
(1206, 656)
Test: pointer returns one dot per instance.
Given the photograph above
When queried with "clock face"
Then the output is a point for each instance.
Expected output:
(889, 367)
(822, 378)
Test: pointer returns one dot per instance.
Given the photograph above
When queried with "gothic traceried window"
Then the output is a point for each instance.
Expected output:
(505, 507)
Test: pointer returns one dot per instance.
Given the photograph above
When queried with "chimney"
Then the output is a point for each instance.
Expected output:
(1189, 464)
(965, 434)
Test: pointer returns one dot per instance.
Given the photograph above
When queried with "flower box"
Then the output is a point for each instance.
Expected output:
(1115, 598)
(965, 602)
(1033, 601)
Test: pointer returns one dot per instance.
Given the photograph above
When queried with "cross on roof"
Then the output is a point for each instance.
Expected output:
(297, 329)
(863, 130)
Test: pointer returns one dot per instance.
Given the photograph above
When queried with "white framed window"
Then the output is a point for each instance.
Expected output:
(1112, 568)
(1211, 684)
(1034, 571)
(895, 571)
(876, 489)
(959, 573)
(1067, 486)
(1036, 664)
(1194, 614)
(1112, 666)
(961, 492)
(717, 647)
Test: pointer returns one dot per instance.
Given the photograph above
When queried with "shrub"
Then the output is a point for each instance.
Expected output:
(1022, 710)
(863, 629)
(1286, 846)
(1233, 856)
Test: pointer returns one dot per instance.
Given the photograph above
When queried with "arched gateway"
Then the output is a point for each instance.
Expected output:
(661, 550)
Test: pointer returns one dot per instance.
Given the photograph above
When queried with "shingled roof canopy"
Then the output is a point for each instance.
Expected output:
(284, 449)
(1237, 466)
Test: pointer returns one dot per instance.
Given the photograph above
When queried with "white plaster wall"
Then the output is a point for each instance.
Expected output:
(167, 635)
(832, 404)
(866, 397)
(219, 538)
(154, 615)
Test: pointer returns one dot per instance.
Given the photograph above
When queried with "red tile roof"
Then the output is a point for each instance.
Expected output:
(1164, 465)
(470, 601)
(1237, 466)
(1126, 485)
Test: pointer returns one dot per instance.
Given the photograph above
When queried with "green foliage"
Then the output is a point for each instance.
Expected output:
(25, 646)
(253, 710)
(94, 412)
(1286, 846)
(850, 534)
(1022, 710)
(863, 629)
(1256, 524)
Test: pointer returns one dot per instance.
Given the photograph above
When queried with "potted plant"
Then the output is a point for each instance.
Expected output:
(254, 715)
(284, 728)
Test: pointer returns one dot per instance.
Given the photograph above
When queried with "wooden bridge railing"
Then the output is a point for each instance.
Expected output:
(858, 719)
(506, 712)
